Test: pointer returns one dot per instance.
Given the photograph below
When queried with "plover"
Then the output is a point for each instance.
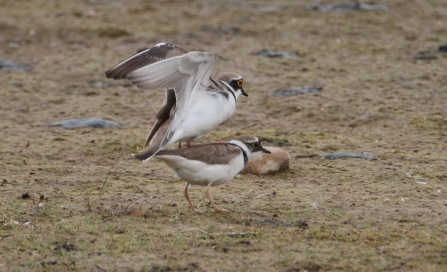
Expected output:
(195, 102)
(211, 164)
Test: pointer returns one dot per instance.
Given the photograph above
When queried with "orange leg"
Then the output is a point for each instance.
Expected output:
(216, 209)
(187, 198)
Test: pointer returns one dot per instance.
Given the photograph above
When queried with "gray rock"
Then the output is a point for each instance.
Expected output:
(276, 54)
(347, 155)
(7, 65)
(298, 90)
(272, 8)
(85, 122)
(348, 7)
(426, 55)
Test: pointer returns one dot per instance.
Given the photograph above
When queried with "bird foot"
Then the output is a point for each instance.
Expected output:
(195, 209)
(218, 210)
(198, 211)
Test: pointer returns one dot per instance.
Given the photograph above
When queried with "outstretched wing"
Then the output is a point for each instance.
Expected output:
(184, 74)
(149, 56)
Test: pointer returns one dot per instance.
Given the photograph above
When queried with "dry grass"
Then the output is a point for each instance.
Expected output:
(385, 214)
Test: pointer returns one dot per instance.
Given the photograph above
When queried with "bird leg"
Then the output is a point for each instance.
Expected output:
(179, 144)
(216, 209)
(187, 198)
(188, 143)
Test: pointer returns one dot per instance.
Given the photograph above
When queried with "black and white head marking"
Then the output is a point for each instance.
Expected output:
(249, 145)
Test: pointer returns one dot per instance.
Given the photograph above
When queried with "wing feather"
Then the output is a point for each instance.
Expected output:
(167, 66)
(185, 74)
(149, 56)
(162, 116)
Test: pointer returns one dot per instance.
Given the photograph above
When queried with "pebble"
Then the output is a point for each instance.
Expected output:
(298, 90)
(264, 163)
(85, 122)
(272, 8)
(426, 55)
(355, 6)
(7, 65)
(347, 155)
(276, 54)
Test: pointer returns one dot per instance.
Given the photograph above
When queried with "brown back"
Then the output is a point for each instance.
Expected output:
(218, 153)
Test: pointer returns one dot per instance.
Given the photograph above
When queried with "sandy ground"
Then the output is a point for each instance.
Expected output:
(381, 96)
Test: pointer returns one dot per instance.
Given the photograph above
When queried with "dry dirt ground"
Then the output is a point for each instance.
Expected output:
(380, 96)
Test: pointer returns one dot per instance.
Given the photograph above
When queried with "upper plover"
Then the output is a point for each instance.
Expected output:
(195, 103)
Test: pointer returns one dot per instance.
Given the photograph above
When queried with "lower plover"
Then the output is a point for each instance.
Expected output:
(211, 164)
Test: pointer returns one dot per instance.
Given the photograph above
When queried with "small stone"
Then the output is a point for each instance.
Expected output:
(25, 195)
(67, 246)
(86, 122)
(298, 90)
(7, 65)
(426, 55)
(344, 155)
(355, 6)
(276, 54)
(265, 163)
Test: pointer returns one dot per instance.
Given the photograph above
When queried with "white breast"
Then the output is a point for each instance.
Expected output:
(200, 173)
(207, 111)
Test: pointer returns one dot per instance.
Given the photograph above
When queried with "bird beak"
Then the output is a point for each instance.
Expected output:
(265, 151)
(243, 92)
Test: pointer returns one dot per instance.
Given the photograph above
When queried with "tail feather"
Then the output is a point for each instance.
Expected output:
(154, 130)
(148, 153)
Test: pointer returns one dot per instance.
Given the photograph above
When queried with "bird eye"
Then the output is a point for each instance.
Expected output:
(255, 145)
(239, 83)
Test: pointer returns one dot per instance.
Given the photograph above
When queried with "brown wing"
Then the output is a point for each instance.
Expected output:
(157, 139)
(163, 115)
(152, 55)
(219, 153)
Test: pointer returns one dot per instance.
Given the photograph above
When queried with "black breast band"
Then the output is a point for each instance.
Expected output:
(243, 152)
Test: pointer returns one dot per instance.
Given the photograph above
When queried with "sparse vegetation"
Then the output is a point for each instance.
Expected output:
(321, 215)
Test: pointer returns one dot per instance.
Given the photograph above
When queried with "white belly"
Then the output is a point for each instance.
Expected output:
(200, 173)
(203, 115)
